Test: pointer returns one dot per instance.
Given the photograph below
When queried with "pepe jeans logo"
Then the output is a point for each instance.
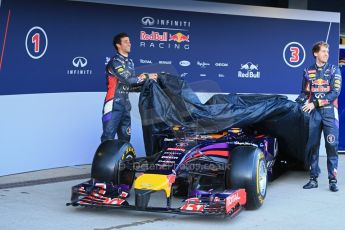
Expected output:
(202, 64)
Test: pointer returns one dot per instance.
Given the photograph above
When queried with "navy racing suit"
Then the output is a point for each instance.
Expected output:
(321, 86)
(121, 79)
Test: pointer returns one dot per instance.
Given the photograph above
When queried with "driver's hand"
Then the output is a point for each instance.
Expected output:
(153, 76)
(142, 77)
(308, 107)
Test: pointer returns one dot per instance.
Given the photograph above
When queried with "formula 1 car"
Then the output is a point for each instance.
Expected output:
(194, 152)
(215, 174)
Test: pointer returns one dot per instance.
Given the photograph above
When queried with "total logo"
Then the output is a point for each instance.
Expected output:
(79, 63)
(294, 54)
(249, 70)
(233, 198)
(145, 61)
(164, 40)
(184, 63)
(202, 64)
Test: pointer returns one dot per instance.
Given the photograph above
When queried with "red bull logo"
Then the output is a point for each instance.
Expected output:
(320, 82)
(154, 36)
(249, 66)
(249, 70)
(179, 37)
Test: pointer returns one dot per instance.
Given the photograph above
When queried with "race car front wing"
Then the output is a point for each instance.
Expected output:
(106, 195)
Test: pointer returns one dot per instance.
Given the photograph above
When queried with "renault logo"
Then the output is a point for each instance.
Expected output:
(147, 21)
(79, 62)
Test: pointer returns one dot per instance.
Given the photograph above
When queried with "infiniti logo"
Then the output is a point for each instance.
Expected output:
(79, 62)
(147, 21)
(320, 95)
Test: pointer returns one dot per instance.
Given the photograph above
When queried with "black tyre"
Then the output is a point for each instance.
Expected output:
(247, 169)
(110, 161)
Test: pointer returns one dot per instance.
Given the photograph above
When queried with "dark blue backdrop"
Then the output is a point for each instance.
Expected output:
(62, 46)
(221, 50)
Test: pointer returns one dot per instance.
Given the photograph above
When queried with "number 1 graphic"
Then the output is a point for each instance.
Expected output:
(36, 40)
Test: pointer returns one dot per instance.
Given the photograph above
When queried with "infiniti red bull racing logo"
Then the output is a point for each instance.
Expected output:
(164, 40)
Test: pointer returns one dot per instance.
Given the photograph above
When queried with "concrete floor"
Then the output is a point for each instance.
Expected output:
(287, 206)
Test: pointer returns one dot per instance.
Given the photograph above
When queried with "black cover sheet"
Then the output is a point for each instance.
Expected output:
(170, 101)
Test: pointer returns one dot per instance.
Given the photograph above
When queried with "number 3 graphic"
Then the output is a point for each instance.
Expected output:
(294, 54)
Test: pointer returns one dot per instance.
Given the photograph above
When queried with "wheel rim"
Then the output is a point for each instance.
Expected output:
(262, 178)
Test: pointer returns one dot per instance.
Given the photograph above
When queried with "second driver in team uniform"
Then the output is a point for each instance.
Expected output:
(320, 90)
